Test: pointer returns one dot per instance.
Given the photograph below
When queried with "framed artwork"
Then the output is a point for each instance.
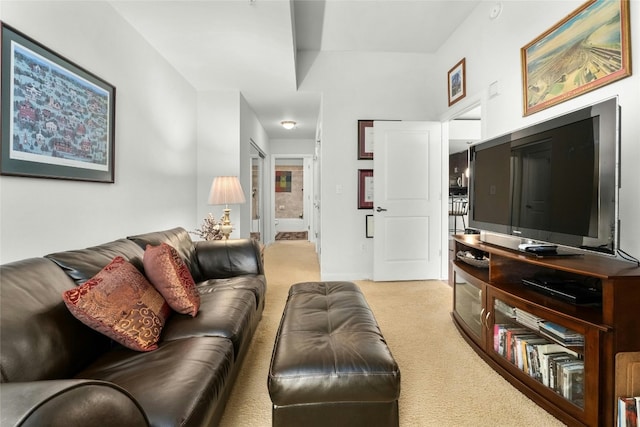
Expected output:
(365, 139)
(457, 82)
(58, 120)
(283, 181)
(369, 226)
(365, 188)
(587, 49)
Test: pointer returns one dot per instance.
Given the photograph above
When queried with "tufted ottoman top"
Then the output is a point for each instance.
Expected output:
(329, 349)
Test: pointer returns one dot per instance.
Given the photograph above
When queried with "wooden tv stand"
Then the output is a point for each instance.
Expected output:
(490, 303)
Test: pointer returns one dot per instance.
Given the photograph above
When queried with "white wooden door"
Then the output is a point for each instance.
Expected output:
(407, 200)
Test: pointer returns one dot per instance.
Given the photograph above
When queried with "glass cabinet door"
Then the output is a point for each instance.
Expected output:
(468, 304)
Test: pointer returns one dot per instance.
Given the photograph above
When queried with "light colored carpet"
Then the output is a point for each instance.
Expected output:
(443, 381)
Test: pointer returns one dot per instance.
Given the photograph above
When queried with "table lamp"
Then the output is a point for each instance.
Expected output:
(226, 190)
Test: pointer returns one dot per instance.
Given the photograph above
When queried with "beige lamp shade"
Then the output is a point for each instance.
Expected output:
(226, 190)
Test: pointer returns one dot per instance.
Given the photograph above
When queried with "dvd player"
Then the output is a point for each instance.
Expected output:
(571, 291)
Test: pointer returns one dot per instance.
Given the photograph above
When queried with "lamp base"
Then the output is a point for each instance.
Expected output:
(226, 228)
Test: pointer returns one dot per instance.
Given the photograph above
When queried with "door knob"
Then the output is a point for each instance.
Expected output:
(379, 209)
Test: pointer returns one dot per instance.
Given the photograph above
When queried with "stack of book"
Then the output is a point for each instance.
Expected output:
(527, 319)
(569, 379)
(561, 334)
(628, 411)
(505, 309)
(554, 365)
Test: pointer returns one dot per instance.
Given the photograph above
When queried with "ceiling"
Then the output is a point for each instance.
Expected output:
(251, 45)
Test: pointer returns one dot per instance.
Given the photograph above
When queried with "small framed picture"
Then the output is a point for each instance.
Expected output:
(457, 82)
(369, 226)
(365, 139)
(365, 188)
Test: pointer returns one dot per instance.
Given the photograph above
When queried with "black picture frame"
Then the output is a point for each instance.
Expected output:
(365, 140)
(365, 188)
(58, 119)
(369, 226)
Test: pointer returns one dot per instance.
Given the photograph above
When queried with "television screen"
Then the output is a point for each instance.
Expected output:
(553, 182)
(555, 186)
(491, 178)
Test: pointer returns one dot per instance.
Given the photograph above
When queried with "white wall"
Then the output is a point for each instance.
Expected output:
(163, 175)
(218, 148)
(155, 139)
(413, 87)
(293, 146)
(251, 130)
(492, 52)
(226, 125)
(378, 86)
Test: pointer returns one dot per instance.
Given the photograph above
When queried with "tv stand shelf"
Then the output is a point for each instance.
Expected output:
(567, 362)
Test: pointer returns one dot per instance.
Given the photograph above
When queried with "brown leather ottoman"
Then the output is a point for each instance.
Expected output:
(330, 364)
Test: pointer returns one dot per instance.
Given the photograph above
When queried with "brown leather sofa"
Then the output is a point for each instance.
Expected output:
(56, 371)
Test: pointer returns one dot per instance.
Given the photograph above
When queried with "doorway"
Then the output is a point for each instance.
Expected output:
(464, 130)
(291, 203)
(257, 197)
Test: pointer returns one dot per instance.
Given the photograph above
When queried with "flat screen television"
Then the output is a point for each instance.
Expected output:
(554, 182)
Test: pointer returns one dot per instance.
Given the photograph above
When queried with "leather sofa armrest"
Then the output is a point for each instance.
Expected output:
(69, 403)
(221, 259)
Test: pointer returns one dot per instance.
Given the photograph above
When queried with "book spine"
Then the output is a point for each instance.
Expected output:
(628, 412)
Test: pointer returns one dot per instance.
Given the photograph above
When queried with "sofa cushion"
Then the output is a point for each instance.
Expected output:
(227, 313)
(83, 264)
(168, 273)
(39, 338)
(120, 303)
(182, 383)
(179, 239)
(254, 283)
(220, 259)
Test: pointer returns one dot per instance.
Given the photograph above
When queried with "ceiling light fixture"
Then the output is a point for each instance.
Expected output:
(288, 124)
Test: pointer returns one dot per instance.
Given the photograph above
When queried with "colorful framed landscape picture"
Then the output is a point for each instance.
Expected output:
(586, 50)
(457, 82)
(58, 120)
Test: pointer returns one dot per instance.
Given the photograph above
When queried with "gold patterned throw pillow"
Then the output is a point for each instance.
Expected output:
(120, 303)
(166, 270)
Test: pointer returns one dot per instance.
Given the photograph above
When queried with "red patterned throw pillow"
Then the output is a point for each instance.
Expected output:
(120, 303)
(171, 277)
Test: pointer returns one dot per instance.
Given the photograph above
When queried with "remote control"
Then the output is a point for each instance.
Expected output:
(537, 248)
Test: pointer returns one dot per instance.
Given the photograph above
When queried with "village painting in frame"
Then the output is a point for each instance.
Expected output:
(57, 118)
(587, 49)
